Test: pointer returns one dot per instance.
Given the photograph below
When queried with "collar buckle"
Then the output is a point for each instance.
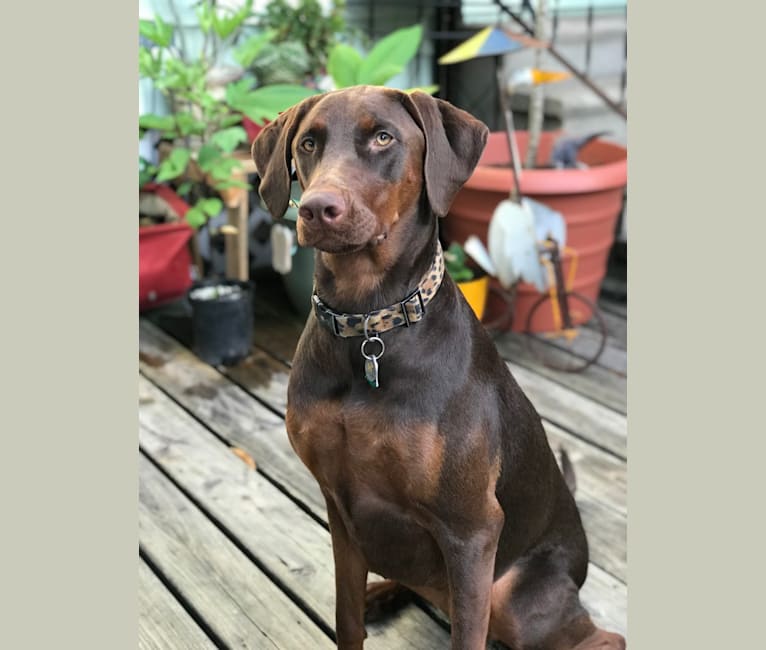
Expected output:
(403, 306)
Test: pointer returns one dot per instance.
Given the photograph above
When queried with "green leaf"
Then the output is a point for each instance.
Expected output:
(463, 275)
(383, 74)
(174, 165)
(211, 207)
(189, 125)
(205, 16)
(245, 53)
(343, 65)
(184, 188)
(195, 217)
(221, 169)
(269, 101)
(146, 171)
(164, 32)
(225, 26)
(228, 139)
(397, 48)
(230, 120)
(231, 182)
(158, 32)
(159, 122)
(238, 91)
(147, 29)
(207, 157)
(148, 66)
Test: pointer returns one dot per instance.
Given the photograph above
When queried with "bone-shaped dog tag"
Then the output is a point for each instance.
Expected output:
(371, 371)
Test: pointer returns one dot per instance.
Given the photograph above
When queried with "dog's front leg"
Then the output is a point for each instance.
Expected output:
(469, 557)
(350, 583)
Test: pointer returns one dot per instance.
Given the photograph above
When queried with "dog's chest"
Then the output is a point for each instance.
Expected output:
(379, 475)
(347, 444)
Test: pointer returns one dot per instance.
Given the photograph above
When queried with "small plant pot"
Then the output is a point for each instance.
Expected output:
(475, 292)
(222, 320)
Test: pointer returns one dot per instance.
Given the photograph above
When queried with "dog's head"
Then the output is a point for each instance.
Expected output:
(364, 156)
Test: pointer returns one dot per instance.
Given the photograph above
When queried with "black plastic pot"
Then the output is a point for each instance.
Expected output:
(222, 320)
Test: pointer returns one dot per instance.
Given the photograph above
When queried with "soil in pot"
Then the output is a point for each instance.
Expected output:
(222, 320)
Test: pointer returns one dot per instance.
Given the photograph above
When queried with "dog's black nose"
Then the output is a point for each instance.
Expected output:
(322, 204)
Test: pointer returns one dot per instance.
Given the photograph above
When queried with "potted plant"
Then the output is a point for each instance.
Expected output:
(472, 282)
(200, 149)
(587, 190)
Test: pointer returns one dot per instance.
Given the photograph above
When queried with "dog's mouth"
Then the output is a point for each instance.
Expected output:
(359, 230)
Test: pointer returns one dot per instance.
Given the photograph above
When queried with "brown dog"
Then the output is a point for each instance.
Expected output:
(434, 464)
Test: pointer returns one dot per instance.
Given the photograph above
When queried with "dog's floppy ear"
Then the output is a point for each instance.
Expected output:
(272, 156)
(454, 143)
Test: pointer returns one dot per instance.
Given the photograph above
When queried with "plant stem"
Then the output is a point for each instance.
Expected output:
(537, 94)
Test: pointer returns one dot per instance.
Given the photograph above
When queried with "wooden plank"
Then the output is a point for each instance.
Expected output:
(288, 543)
(598, 473)
(162, 621)
(600, 476)
(606, 599)
(613, 307)
(617, 326)
(235, 599)
(228, 409)
(202, 469)
(606, 483)
(588, 419)
(586, 344)
(595, 382)
(263, 376)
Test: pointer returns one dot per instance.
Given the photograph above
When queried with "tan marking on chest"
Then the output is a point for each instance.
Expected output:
(360, 448)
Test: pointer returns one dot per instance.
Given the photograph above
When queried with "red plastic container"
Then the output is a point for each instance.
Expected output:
(164, 263)
(589, 199)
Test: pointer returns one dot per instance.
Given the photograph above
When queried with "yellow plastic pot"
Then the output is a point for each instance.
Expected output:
(475, 292)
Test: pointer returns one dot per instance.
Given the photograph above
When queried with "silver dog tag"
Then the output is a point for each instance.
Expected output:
(371, 371)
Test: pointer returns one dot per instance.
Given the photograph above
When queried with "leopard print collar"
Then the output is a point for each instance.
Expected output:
(402, 314)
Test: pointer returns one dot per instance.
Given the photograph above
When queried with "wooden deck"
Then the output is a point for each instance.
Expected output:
(234, 545)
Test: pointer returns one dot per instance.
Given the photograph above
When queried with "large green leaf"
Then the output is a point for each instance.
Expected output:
(174, 165)
(269, 101)
(383, 74)
(343, 65)
(228, 139)
(397, 48)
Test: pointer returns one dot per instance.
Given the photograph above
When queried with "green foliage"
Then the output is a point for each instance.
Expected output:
(455, 263)
(204, 129)
(386, 59)
(307, 23)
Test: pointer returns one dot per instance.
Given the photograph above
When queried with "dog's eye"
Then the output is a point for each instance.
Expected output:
(308, 145)
(383, 139)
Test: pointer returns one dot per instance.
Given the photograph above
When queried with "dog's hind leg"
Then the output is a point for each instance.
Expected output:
(536, 606)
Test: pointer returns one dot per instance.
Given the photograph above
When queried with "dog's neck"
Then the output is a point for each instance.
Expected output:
(381, 274)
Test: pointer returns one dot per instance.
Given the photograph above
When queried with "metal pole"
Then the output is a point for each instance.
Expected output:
(510, 133)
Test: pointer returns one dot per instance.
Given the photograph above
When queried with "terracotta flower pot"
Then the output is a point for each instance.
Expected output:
(589, 199)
